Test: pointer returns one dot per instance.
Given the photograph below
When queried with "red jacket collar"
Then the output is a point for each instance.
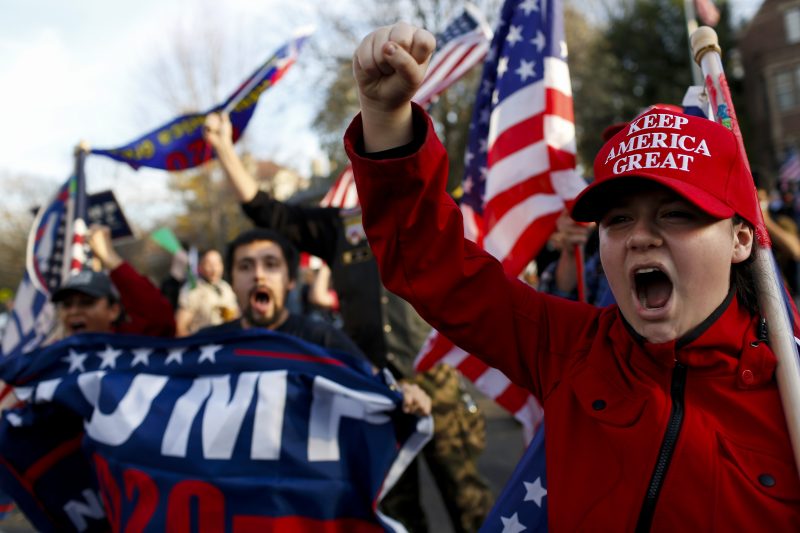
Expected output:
(725, 343)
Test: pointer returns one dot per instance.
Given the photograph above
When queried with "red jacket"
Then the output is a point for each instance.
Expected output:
(687, 435)
(147, 312)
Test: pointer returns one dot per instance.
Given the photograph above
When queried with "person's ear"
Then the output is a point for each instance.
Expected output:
(115, 310)
(742, 242)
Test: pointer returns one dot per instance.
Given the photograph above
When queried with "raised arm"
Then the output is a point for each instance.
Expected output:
(416, 231)
(218, 132)
(102, 247)
(389, 66)
(148, 312)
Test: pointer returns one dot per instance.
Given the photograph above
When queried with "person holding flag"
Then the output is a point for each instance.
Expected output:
(663, 411)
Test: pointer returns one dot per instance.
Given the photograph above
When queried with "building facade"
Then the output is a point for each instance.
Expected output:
(770, 49)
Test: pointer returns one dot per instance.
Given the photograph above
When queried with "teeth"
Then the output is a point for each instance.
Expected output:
(647, 270)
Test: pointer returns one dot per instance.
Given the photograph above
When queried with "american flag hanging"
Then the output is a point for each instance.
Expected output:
(519, 168)
(790, 169)
(462, 45)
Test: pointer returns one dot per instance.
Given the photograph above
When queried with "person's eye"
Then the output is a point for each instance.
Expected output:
(678, 214)
(614, 219)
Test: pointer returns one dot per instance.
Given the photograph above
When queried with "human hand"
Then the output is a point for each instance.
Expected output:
(389, 65)
(180, 265)
(570, 233)
(217, 130)
(102, 247)
(415, 400)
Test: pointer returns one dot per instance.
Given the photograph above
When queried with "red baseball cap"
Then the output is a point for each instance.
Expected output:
(695, 157)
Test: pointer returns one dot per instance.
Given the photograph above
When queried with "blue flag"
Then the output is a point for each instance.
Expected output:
(254, 432)
(179, 144)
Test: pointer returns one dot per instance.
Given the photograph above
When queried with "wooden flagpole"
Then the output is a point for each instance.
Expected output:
(705, 47)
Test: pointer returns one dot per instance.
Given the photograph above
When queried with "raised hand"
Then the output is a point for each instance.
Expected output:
(217, 130)
(102, 247)
(389, 66)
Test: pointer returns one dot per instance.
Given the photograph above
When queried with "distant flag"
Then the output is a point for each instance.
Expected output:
(790, 169)
(460, 46)
(56, 249)
(166, 239)
(343, 191)
(519, 168)
(179, 144)
(695, 102)
(6, 505)
(707, 12)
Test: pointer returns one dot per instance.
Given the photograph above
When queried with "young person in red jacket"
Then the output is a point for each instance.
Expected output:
(122, 301)
(662, 411)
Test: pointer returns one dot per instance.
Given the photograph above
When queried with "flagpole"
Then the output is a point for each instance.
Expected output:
(580, 274)
(77, 205)
(691, 27)
(705, 47)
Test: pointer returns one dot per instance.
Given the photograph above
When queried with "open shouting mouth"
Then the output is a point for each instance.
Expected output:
(260, 299)
(653, 287)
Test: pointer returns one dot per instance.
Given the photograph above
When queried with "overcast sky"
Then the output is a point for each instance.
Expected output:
(72, 70)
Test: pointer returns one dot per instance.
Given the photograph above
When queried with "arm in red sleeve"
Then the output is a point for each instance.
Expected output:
(416, 233)
(147, 312)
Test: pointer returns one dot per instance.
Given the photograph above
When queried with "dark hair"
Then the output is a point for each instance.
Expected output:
(742, 280)
(261, 234)
(202, 253)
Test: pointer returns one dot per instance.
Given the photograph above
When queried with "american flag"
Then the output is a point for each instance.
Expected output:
(522, 506)
(519, 168)
(462, 45)
(790, 169)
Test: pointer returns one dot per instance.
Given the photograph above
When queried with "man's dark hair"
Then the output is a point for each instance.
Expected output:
(290, 253)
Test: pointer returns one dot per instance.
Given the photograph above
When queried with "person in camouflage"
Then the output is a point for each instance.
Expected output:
(459, 438)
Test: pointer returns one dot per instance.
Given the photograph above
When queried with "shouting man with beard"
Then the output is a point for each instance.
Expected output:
(263, 269)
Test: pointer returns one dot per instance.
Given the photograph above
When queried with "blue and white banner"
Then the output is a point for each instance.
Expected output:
(254, 432)
(179, 144)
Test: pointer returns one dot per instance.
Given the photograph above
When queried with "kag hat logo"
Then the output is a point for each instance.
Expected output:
(693, 156)
(672, 144)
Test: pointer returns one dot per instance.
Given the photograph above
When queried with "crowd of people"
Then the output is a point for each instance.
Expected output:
(662, 406)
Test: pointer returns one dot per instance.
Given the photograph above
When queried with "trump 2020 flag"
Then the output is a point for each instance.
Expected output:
(56, 249)
(179, 144)
(255, 431)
